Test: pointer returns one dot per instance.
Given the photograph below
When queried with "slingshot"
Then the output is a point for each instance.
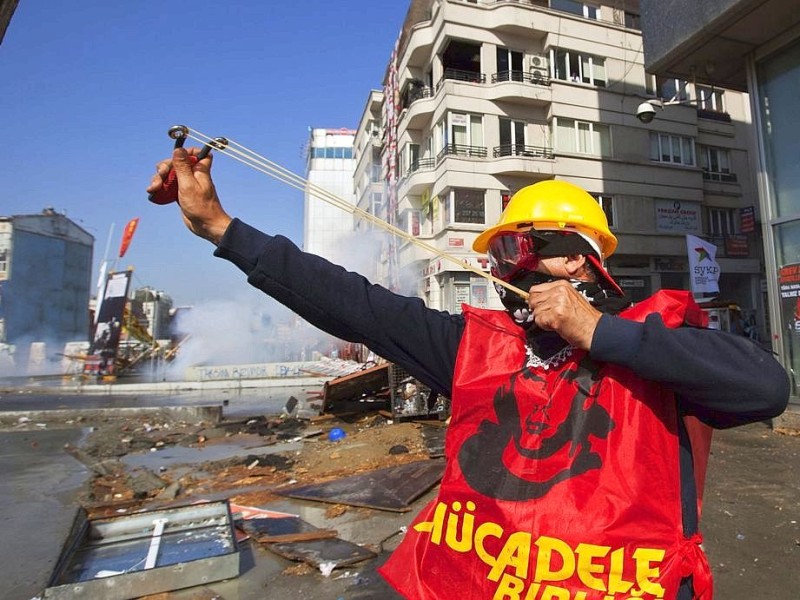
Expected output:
(169, 192)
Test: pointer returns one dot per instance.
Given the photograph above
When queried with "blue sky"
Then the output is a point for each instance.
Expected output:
(90, 87)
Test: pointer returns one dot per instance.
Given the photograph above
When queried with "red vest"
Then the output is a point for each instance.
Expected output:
(562, 481)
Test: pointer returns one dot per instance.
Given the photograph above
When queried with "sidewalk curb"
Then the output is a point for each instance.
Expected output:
(189, 414)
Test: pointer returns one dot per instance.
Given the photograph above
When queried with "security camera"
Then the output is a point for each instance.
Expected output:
(645, 112)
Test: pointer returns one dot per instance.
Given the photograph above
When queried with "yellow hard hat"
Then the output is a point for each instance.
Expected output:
(555, 206)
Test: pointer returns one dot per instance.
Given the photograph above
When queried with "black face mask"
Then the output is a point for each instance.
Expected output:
(515, 304)
(603, 300)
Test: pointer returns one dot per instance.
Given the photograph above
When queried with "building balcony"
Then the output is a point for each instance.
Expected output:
(518, 159)
(418, 112)
(422, 164)
(462, 76)
(536, 77)
(461, 150)
(719, 176)
(420, 176)
(522, 150)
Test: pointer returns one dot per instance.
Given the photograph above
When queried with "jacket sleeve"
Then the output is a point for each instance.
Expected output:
(723, 379)
(347, 306)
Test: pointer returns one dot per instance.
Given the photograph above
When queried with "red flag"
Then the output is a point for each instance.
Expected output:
(127, 235)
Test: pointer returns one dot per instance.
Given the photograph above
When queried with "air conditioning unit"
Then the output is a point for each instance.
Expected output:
(539, 67)
(539, 61)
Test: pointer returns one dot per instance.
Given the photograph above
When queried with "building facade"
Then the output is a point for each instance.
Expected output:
(368, 177)
(330, 168)
(156, 308)
(490, 96)
(752, 46)
(45, 281)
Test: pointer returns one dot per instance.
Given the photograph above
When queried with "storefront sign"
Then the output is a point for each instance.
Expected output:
(736, 244)
(789, 289)
(677, 216)
(748, 217)
(670, 265)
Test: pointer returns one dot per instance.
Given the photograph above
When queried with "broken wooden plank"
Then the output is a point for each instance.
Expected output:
(355, 385)
(391, 488)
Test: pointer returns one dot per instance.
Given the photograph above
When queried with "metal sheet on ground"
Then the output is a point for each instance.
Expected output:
(392, 488)
(434, 438)
(284, 529)
(120, 558)
(332, 552)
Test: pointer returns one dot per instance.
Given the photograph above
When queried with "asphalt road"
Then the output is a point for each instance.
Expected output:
(750, 522)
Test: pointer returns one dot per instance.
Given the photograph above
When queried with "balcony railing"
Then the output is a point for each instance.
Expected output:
(417, 93)
(462, 150)
(714, 115)
(421, 164)
(715, 176)
(521, 150)
(459, 75)
(536, 77)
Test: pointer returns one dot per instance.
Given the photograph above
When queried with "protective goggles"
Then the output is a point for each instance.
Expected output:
(511, 252)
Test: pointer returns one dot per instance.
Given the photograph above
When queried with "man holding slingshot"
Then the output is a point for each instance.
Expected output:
(580, 424)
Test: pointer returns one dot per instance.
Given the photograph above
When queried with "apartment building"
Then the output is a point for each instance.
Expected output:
(368, 178)
(484, 97)
(750, 46)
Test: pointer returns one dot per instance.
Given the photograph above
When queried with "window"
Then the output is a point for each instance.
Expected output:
(667, 87)
(578, 67)
(376, 201)
(721, 221)
(409, 221)
(375, 173)
(465, 206)
(410, 158)
(674, 149)
(709, 98)
(334, 152)
(512, 137)
(576, 8)
(582, 137)
(3, 261)
(509, 65)
(716, 163)
(607, 204)
(466, 130)
(460, 133)
(633, 21)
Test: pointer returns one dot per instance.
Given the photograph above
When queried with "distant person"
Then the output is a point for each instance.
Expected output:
(580, 425)
(737, 322)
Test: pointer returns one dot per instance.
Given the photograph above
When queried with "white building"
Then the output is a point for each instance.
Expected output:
(330, 167)
(495, 95)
